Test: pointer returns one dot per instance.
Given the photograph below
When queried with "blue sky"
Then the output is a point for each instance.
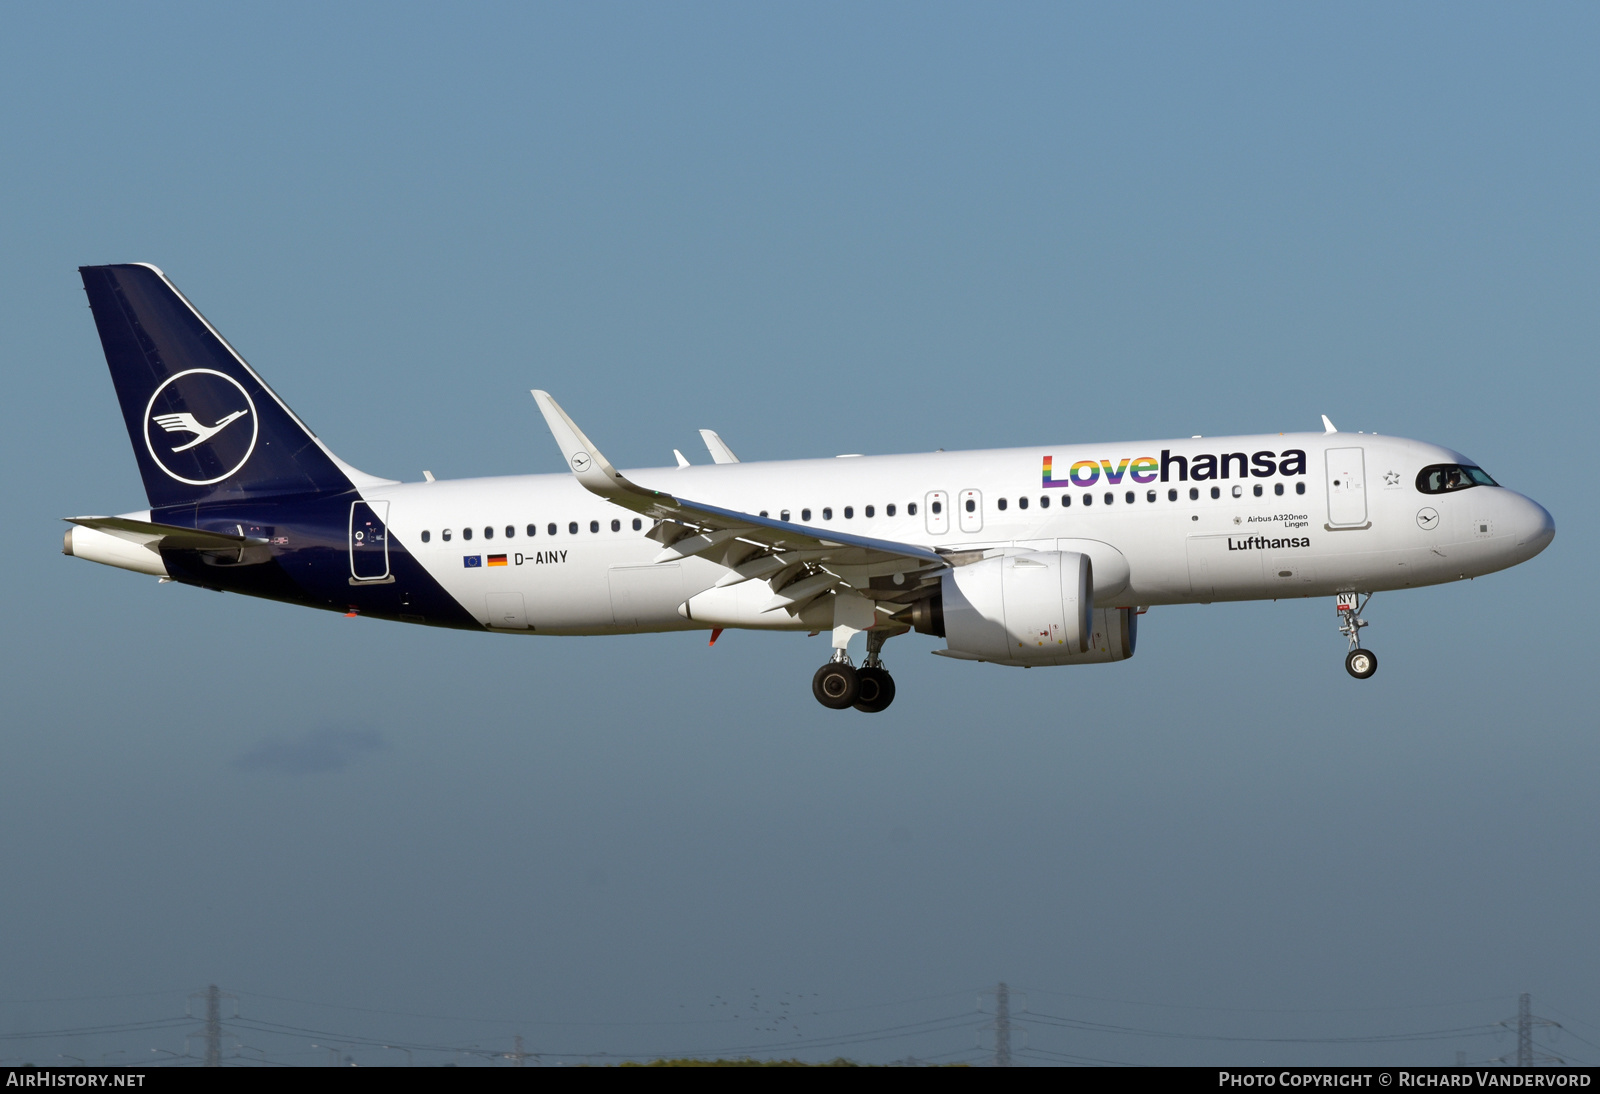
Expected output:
(819, 229)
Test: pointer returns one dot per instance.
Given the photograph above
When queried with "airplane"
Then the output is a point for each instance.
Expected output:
(1035, 556)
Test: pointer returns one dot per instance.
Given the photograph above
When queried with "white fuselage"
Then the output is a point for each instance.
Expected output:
(1351, 519)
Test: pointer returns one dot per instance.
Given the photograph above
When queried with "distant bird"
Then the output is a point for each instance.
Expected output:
(187, 423)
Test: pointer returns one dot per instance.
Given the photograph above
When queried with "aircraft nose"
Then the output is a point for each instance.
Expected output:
(1535, 526)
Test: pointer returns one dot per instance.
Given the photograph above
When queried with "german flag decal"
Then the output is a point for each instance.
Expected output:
(497, 560)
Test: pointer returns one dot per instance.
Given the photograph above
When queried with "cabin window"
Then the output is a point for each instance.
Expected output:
(1172, 495)
(1128, 497)
(511, 531)
(533, 530)
(1110, 497)
(1088, 499)
(572, 528)
(1277, 488)
(1442, 478)
(827, 512)
(1022, 503)
(849, 512)
(445, 535)
(1194, 493)
(1299, 488)
(938, 507)
(1150, 495)
(1257, 489)
(888, 510)
(637, 524)
(911, 510)
(616, 526)
(551, 528)
(1238, 491)
(466, 533)
(1216, 492)
(784, 515)
(1044, 501)
(594, 526)
(426, 536)
(805, 514)
(488, 533)
(1066, 501)
(870, 511)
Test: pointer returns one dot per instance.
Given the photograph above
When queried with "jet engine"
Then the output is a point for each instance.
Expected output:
(1027, 608)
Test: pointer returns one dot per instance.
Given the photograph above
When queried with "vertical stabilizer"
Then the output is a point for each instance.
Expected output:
(204, 426)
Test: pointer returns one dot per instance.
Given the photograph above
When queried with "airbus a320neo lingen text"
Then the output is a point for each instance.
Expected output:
(1045, 555)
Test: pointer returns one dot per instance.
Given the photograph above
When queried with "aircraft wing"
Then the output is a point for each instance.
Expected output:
(750, 546)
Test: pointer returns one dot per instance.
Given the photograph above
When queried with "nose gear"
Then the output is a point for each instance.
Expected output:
(1360, 663)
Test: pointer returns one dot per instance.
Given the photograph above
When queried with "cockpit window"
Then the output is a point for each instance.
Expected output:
(1441, 478)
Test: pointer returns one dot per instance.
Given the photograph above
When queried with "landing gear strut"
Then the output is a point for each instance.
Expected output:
(877, 686)
(1359, 662)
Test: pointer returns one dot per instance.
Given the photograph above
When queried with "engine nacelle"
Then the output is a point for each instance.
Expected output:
(1116, 632)
(999, 606)
(1030, 608)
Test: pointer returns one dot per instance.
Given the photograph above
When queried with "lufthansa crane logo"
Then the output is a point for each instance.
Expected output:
(200, 426)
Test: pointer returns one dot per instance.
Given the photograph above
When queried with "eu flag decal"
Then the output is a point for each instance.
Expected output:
(472, 562)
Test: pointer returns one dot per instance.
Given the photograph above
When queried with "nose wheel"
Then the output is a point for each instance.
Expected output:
(1359, 662)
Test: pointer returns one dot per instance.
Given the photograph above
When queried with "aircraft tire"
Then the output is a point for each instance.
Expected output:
(876, 690)
(1361, 663)
(836, 685)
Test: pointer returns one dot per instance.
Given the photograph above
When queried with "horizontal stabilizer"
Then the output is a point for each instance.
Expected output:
(169, 535)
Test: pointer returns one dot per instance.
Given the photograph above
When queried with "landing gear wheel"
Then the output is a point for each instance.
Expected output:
(1361, 663)
(876, 691)
(836, 685)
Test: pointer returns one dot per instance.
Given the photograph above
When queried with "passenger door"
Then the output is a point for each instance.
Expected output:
(1347, 488)
(369, 541)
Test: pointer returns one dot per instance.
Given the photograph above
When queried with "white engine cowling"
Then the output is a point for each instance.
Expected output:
(1032, 608)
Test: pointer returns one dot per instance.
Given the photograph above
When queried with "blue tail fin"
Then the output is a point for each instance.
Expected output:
(204, 426)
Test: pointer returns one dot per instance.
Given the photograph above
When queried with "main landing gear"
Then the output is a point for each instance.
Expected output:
(838, 684)
(1360, 663)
